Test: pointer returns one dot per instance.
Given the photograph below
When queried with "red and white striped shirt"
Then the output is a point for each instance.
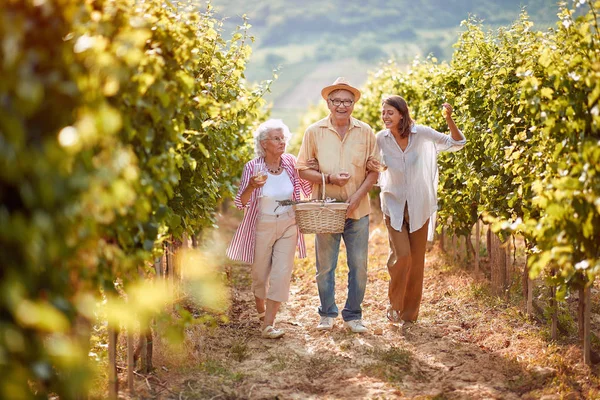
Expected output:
(243, 242)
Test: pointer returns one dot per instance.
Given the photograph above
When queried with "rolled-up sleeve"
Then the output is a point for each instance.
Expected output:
(307, 151)
(444, 142)
(375, 151)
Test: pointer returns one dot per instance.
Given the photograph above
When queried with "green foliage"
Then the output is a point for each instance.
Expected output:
(527, 102)
(121, 123)
(567, 234)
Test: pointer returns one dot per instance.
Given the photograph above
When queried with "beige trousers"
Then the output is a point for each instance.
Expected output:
(405, 265)
(276, 241)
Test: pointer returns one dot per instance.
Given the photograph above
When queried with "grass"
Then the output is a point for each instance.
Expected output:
(394, 356)
(217, 368)
(214, 367)
(282, 360)
(480, 291)
(317, 366)
(392, 364)
(239, 351)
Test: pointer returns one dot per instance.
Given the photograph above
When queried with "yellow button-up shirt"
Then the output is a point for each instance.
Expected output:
(321, 141)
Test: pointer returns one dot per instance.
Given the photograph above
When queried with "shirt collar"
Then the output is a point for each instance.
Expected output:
(326, 122)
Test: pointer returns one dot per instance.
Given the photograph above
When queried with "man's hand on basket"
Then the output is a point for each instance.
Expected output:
(354, 201)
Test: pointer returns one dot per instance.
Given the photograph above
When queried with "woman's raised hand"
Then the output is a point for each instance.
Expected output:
(446, 110)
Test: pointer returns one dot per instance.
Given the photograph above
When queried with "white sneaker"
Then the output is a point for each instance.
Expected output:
(271, 333)
(355, 326)
(326, 324)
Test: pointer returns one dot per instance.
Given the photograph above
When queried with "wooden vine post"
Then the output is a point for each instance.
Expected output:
(463, 248)
(130, 360)
(113, 382)
(528, 283)
(509, 265)
(488, 243)
(587, 333)
(170, 265)
(454, 251)
(497, 265)
(554, 311)
(477, 240)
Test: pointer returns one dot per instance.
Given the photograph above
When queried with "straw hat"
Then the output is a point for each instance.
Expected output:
(340, 83)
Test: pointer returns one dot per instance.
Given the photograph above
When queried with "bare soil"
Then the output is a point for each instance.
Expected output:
(465, 345)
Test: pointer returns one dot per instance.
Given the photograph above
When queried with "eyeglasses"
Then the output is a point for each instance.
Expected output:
(277, 139)
(337, 102)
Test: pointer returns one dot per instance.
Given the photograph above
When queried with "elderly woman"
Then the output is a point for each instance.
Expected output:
(268, 235)
(408, 184)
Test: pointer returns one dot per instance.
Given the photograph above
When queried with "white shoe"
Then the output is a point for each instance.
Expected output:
(326, 324)
(271, 333)
(355, 326)
(393, 316)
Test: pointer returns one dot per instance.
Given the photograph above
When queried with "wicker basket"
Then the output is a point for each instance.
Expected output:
(319, 216)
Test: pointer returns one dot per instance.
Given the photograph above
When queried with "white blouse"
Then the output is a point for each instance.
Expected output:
(277, 187)
(412, 175)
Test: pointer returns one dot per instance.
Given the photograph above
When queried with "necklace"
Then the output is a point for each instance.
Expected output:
(274, 171)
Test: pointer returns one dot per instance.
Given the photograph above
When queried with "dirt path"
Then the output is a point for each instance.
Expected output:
(466, 345)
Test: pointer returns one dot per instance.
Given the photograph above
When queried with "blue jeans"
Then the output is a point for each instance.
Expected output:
(327, 248)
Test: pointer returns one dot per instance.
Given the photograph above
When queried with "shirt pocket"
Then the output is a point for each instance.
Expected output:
(359, 155)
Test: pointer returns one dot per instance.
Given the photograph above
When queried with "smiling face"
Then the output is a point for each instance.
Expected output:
(274, 142)
(391, 117)
(341, 111)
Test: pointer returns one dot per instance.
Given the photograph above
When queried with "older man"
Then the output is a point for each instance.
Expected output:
(342, 145)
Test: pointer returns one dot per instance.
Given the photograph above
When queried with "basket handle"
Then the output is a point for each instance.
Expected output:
(323, 186)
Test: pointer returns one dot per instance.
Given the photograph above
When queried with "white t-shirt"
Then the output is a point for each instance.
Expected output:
(277, 187)
(412, 175)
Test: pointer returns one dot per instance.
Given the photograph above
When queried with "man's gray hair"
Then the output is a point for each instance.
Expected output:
(263, 129)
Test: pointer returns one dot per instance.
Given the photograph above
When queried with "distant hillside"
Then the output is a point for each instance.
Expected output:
(315, 41)
(339, 22)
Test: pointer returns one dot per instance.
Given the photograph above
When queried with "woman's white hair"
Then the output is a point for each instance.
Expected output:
(263, 129)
